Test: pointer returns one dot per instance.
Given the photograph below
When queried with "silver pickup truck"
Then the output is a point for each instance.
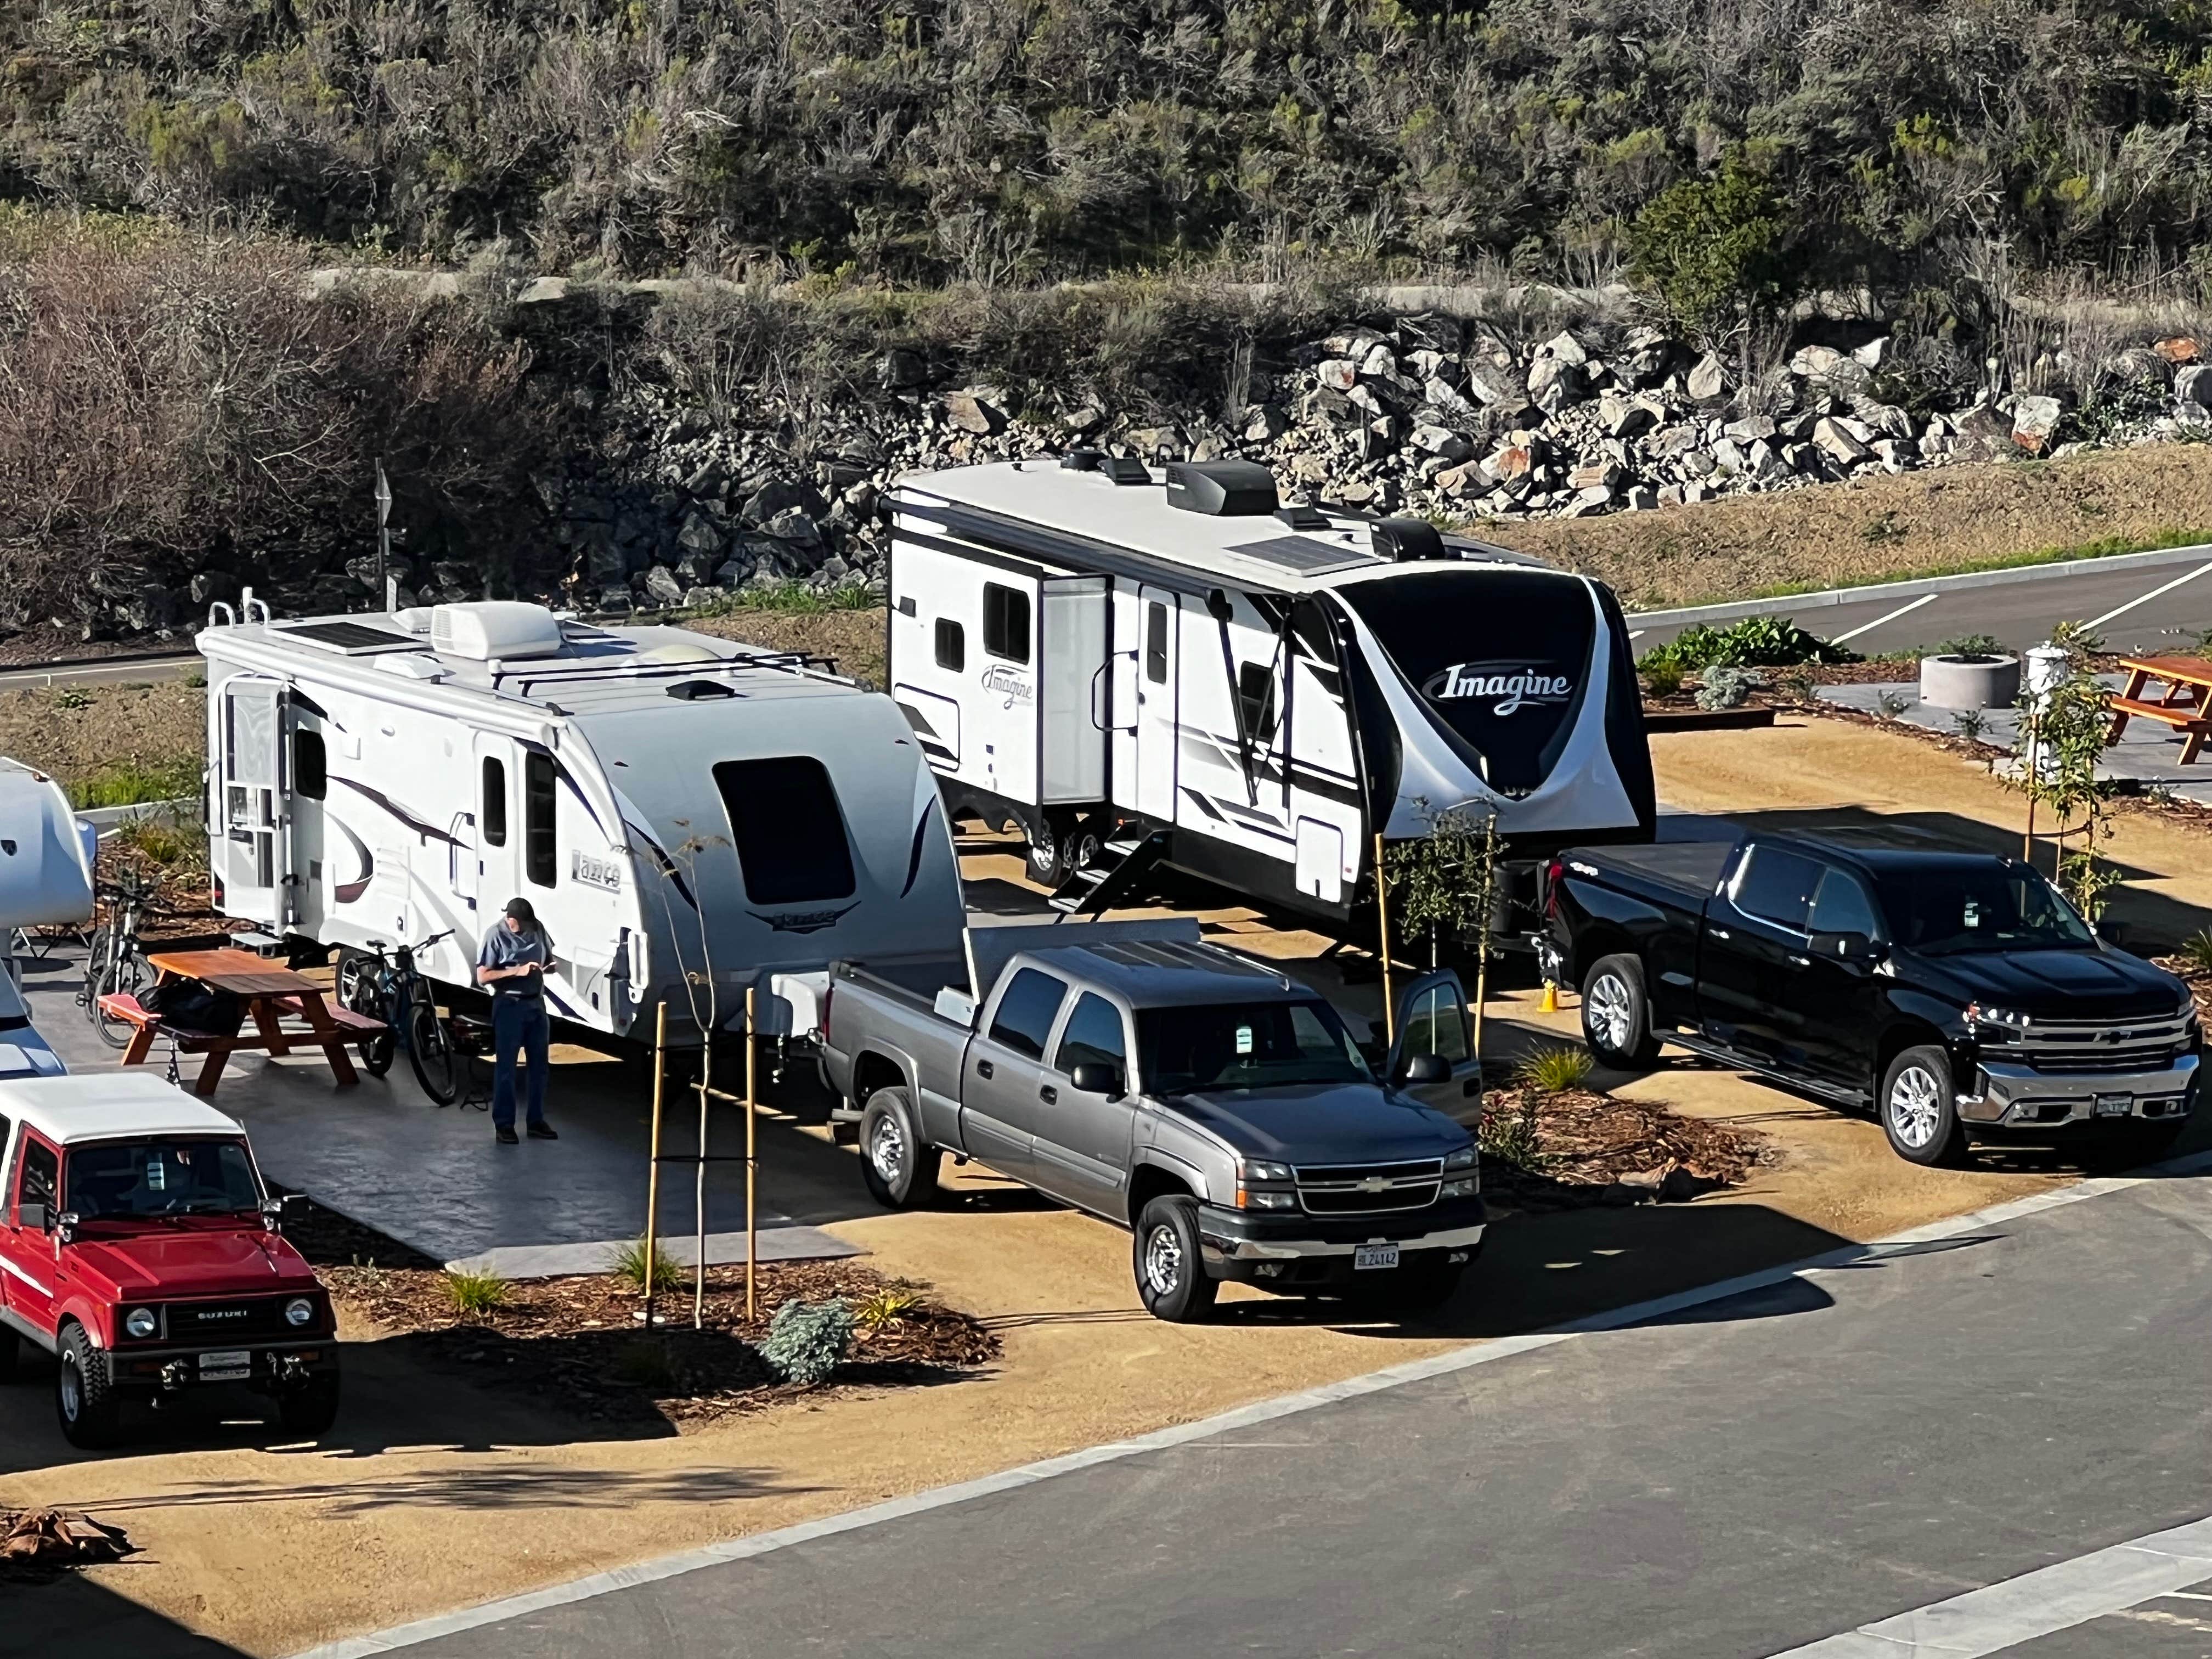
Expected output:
(1218, 1109)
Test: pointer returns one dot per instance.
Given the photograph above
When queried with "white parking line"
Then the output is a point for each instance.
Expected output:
(2035, 1604)
(1903, 609)
(1265, 1410)
(2122, 610)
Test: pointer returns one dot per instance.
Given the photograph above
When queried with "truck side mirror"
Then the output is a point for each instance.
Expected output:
(1428, 1068)
(1095, 1077)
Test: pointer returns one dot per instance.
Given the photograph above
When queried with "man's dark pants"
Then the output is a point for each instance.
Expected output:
(517, 1023)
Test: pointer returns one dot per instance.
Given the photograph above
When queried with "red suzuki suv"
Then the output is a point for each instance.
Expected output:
(139, 1247)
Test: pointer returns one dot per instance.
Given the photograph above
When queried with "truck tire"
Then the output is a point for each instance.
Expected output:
(1918, 1113)
(899, 1166)
(309, 1410)
(1169, 1262)
(1617, 1014)
(84, 1394)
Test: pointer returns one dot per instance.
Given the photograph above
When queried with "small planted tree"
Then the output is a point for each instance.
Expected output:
(2063, 734)
(1444, 882)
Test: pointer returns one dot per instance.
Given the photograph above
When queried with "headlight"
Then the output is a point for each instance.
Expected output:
(1461, 1159)
(1259, 1169)
(142, 1323)
(1262, 1200)
(299, 1311)
(2005, 1019)
(1465, 1187)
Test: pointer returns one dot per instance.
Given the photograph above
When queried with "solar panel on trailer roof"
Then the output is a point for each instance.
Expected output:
(1304, 555)
(346, 635)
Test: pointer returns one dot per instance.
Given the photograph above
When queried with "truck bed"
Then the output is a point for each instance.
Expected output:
(1678, 873)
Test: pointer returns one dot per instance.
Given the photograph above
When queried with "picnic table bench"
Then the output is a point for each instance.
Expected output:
(284, 1010)
(2188, 683)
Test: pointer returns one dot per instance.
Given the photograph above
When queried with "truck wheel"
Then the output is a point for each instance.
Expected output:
(309, 1410)
(899, 1166)
(1171, 1271)
(84, 1394)
(1918, 1114)
(1617, 1014)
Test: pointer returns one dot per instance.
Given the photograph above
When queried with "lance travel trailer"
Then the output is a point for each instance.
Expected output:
(683, 813)
(1198, 677)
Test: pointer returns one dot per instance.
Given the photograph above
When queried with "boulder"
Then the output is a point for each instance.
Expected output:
(1438, 440)
(1447, 401)
(1353, 342)
(1154, 443)
(779, 495)
(1834, 438)
(1749, 429)
(1624, 417)
(2034, 420)
(1489, 383)
(1640, 498)
(733, 572)
(1337, 373)
(1707, 380)
(1874, 354)
(1728, 456)
(901, 370)
(2179, 349)
(2193, 383)
(1596, 499)
(1608, 476)
(1427, 364)
(1081, 422)
(708, 482)
(701, 536)
(1563, 347)
(1554, 384)
(663, 586)
(972, 412)
(1465, 481)
(1380, 361)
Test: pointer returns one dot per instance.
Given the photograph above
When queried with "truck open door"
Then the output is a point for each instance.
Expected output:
(1433, 1022)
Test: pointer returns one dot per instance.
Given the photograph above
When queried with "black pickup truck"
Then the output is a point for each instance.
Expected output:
(1949, 991)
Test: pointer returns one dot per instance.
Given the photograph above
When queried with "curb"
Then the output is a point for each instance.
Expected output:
(1874, 592)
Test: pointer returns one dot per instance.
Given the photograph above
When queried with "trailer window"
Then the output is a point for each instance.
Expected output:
(789, 829)
(1255, 691)
(311, 771)
(951, 645)
(1005, 623)
(538, 859)
(1024, 1018)
(494, 802)
(1156, 644)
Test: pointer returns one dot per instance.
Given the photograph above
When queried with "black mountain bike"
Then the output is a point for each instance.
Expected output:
(387, 987)
(117, 960)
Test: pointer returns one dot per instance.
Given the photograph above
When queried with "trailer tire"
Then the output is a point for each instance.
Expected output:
(1617, 1014)
(1918, 1113)
(899, 1166)
(1170, 1261)
(1048, 856)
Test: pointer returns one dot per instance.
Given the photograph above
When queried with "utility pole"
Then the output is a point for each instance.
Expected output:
(383, 535)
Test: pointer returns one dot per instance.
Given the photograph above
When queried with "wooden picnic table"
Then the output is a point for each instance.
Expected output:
(2188, 682)
(272, 993)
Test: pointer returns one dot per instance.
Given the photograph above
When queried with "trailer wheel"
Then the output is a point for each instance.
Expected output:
(1918, 1114)
(1048, 855)
(899, 1166)
(1617, 1014)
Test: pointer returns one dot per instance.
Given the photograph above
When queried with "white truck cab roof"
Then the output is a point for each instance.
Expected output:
(109, 1106)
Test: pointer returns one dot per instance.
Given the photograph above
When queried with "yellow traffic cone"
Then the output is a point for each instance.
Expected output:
(1551, 1003)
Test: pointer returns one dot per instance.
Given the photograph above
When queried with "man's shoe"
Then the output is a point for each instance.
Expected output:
(506, 1136)
(543, 1131)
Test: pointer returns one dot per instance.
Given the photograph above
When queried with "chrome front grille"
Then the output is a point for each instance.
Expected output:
(1369, 1189)
(2088, 1047)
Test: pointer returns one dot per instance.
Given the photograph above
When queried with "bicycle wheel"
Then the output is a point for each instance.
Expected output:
(126, 975)
(430, 1049)
(360, 992)
(95, 968)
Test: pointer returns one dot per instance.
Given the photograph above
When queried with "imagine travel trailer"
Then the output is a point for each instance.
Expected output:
(1197, 676)
(672, 805)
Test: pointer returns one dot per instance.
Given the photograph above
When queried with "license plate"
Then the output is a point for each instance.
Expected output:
(232, 1365)
(1374, 1255)
(2114, 1105)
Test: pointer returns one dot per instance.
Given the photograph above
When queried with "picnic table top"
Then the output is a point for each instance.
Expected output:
(240, 972)
(2189, 670)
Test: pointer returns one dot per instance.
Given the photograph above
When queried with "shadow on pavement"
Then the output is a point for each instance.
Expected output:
(74, 1615)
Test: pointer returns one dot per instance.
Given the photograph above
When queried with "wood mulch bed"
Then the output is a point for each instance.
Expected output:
(1594, 1148)
(2196, 975)
(576, 1342)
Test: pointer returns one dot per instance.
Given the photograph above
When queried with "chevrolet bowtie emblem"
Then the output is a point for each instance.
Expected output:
(1374, 1184)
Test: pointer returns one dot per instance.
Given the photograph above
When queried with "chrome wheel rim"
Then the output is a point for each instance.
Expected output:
(1915, 1106)
(887, 1149)
(1162, 1259)
(72, 1398)
(1044, 847)
(1611, 1011)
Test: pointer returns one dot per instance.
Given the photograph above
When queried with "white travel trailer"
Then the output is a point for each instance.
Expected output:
(1246, 692)
(681, 811)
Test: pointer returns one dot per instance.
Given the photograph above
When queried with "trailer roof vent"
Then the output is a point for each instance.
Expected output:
(1080, 460)
(505, 629)
(1406, 541)
(1124, 470)
(697, 690)
(1221, 489)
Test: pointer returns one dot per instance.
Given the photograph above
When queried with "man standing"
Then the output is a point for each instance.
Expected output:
(512, 963)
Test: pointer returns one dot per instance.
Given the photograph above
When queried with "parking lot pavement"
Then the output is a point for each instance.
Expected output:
(1746, 1477)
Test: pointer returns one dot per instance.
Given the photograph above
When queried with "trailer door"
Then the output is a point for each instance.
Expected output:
(1158, 647)
(1071, 671)
(253, 853)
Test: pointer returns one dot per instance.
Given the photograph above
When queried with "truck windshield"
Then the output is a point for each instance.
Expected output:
(1942, 912)
(1245, 1045)
(160, 1177)
(1498, 658)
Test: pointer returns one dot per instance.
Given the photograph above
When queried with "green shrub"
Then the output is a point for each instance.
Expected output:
(2197, 950)
(1508, 1132)
(1663, 676)
(806, 1340)
(790, 599)
(475, 1293)
(1554, 1069)
(1755, 643)
(135, 782)
(885, 1307)
(629, 1263)
(1970, 645)
(1712, 249)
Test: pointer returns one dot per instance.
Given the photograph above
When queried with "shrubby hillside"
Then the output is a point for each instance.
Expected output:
(1729, 150)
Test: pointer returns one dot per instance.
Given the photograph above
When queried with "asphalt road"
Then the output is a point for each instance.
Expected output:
(2149, 607)
(1746, 1477)
(119, 670)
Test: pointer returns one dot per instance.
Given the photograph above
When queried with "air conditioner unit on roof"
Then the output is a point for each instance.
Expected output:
(495, 628)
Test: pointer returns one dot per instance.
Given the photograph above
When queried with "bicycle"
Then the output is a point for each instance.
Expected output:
(117, 960)
(390, 988)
